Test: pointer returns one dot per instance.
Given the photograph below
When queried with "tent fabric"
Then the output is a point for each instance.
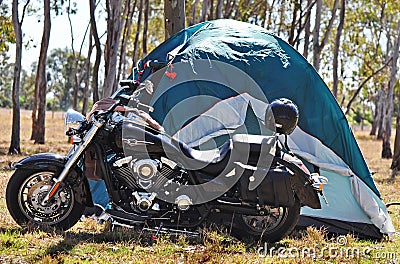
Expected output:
(222, 118)
(323, 137)
(361, 230)
(313, 151)
(373, 207)
(276, 66)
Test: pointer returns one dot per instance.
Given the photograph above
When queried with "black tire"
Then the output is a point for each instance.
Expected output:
(23, 195)
(284, 225)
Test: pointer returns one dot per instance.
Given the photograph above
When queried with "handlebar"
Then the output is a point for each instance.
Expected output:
(157, 65)
(130, 83)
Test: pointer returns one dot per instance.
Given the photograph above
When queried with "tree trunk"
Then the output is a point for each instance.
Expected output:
(378, 113)
(96, 66)
(387, 121)
(204, 10)
(263, 16)
(145, 26)
(294, 22)
(219, 9)
(392, 81)
(41, 81)
(211, 13)
(229, 7)
(194, 12)
(336, 49)
(317, 28)
(395, 166)
(317, 45)
(34, 112)
(15, 135)
(307, 30)
(174, 16)
(87, 77)
(136, 43)
(76, 58)
(387, 124)
(271, 8)
(282, 12)
(114, 9)
(380, 120)
(128, 13)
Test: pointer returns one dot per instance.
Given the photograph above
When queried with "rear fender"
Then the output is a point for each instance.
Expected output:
(56, 163)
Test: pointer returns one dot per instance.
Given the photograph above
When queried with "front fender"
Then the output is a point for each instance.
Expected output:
(41, 161)
(56, 163)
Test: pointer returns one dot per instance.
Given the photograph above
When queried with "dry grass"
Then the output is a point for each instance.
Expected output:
(88, 242)
(371, 149)
(56, 141)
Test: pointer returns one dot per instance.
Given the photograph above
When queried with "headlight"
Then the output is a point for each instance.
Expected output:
(73, 119)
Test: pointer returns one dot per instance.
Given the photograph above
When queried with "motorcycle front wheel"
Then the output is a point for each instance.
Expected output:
(25, 192)
(272, 227)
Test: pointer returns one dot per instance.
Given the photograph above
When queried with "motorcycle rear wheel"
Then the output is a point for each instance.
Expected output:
(25, 191)
(272, 227)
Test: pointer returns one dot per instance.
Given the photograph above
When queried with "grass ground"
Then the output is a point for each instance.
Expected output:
(89, 242)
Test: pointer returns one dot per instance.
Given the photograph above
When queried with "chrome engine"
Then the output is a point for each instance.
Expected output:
(140, 179)
(145, 174)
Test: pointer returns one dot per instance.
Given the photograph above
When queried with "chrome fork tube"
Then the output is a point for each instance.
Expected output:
(72, 160)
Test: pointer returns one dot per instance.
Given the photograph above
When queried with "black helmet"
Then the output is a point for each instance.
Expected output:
(285, 115)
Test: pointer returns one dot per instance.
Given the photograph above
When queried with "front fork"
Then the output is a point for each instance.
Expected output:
(72, 160)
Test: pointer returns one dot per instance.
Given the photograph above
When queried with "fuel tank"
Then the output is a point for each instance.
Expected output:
(142, 139)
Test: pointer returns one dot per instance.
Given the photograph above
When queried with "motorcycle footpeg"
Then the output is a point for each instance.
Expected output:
(127, 217)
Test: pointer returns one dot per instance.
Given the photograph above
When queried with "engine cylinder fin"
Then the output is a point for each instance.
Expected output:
(166, 174)
(124, 175)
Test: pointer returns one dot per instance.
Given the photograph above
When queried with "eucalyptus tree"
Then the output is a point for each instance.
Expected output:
(175, 17)
(39, 110)
(387, 121)
(17, 24)
(97, 44)
(114, 9)
(337, 47)
(60, 68)
(127, 17)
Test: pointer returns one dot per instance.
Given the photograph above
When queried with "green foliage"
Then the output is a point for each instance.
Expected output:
(7, 34)
(27, 88)
(6, 78)
(365, 47)
(60, 68)
(155, 34)
(359, 114)
(363, 50)
(59, 5)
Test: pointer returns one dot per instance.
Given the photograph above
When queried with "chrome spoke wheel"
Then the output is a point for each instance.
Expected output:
(32, 192)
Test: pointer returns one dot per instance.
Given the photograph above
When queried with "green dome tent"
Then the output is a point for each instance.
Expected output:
(323, 138)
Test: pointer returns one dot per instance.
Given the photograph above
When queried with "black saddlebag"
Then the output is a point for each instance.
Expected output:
(274, 190)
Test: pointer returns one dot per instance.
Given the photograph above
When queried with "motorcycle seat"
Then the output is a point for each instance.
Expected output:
(211, 161)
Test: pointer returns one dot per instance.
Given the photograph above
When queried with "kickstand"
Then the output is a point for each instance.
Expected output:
(154, 237)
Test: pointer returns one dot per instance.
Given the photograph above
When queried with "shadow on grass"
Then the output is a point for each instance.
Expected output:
(210, 243)
(118, 235)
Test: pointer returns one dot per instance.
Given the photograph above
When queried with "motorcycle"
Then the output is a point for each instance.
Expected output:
(252, 184)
